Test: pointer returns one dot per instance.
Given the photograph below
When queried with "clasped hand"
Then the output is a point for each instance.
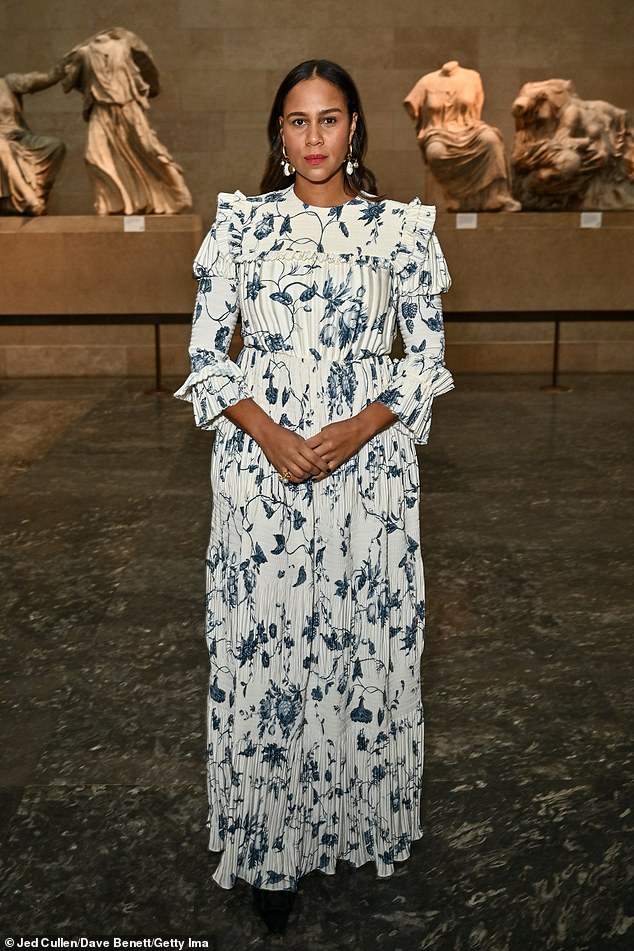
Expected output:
(319, 455)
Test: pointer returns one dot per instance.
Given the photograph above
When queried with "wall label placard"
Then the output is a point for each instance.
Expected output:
(591, 219)
(466, 220)
(134, 223)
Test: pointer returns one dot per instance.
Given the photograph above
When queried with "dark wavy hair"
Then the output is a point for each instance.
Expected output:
(362, 179)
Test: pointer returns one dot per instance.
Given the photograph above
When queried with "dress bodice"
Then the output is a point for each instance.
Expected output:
(320, 292)
(319, 278)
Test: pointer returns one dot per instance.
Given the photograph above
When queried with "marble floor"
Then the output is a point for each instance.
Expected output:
(527, 676)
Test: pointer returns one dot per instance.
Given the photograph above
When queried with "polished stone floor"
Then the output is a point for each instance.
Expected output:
(529, 794)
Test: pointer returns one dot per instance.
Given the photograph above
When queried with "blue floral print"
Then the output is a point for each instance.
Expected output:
(315, 604)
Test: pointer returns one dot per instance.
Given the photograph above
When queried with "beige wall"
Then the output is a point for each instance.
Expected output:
(221, 62)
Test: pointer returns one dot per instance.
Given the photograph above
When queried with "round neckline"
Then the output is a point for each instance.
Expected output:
(319, 207)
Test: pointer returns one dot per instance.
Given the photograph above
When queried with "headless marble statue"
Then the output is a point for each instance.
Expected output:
(465, 155)
(131, 171)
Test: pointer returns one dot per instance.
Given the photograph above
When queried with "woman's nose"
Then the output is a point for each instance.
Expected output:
(313, 134)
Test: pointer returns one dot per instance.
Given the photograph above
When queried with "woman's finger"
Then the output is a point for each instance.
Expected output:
(313, 459)
(299, 470)
(332, 465)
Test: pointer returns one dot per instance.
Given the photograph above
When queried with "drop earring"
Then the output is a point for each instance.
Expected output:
(285, 163)
(351, 163)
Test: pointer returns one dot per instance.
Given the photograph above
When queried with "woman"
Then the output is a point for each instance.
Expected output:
(315, 600)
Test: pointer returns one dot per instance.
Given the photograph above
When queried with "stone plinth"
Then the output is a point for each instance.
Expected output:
(88, 265)
(539, 262)
(533, 264)
(91, 265)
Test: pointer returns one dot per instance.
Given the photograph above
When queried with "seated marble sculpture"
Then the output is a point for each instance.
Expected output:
(570, 153)
(465, 155)
(29, 163)
(130, 170)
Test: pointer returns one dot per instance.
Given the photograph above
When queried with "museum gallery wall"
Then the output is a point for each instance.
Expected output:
(219, 65)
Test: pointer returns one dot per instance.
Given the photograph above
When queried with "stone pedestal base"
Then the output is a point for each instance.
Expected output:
(91, 266)
(532, 264)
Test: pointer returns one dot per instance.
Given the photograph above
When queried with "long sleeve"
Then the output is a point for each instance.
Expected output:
(421, 375)
(215, 381)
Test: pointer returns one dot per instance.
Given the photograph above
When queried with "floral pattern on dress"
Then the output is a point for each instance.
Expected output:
(315, 605)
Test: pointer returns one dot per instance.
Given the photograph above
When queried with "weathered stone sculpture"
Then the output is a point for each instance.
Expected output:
(28, 163)
(131, 172)
(569, 153)
(465, 155)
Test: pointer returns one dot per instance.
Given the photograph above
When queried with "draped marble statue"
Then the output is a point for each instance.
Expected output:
(130, 170)
(570, 154)
(465, 155)
(29, 163)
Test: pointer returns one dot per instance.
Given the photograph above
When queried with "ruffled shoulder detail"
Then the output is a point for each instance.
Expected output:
(418, 225)
(222, 246)
(419, 247)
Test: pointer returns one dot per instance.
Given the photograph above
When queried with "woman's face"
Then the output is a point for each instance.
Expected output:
(316, 130)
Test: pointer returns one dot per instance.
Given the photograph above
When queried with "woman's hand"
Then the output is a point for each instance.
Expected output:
(284, 449)
(288, 452)
(338, 442)
(319, 455)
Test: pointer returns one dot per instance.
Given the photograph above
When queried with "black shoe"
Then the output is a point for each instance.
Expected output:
(273, 907)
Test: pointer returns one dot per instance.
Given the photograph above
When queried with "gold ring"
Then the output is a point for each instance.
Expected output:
(285, 474)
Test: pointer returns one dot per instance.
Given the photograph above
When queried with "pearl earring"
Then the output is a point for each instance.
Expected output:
(286, 165)
(351, 164)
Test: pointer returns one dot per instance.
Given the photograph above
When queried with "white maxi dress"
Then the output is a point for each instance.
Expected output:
(315, 604)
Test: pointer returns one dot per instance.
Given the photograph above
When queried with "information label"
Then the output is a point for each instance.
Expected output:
(466, 220)
(134, 223)
(591, 219)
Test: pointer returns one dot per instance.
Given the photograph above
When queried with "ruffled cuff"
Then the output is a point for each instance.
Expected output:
(211, 390)
(410, 397)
